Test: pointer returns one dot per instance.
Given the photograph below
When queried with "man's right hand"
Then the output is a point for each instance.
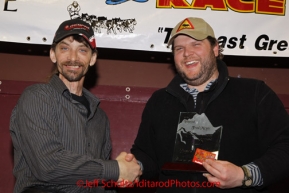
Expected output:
(129, 169)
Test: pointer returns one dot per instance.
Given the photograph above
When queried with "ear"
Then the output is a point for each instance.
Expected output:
(93, 59)
(216, 49)
(52, 56)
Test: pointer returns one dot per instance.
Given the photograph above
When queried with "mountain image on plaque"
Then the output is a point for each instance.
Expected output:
(195, 131)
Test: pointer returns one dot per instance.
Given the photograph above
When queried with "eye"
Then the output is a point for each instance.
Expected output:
(178, 48)
(83, 50)
(198, 43)
(63, 48)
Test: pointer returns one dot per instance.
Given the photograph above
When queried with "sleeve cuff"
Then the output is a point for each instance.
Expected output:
(110, 170)
(255, 173)
(140, 164)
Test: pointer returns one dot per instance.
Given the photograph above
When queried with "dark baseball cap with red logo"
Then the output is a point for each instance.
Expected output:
(75, 27)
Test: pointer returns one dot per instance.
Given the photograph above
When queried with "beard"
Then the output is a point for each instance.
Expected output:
(208, 67)
(72, 75)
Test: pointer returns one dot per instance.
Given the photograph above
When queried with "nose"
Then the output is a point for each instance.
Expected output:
(187, 52)
(73, 55)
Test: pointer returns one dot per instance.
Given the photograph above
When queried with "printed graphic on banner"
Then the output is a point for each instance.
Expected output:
(114, 25)
(249, 28)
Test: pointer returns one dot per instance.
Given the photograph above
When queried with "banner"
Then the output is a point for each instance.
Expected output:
(249, 28)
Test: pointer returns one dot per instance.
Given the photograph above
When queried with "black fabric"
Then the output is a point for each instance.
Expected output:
(255, 129)
(81, 99)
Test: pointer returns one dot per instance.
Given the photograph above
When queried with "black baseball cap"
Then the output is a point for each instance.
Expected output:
(78, 27)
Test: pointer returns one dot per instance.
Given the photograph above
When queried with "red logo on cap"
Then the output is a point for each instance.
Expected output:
(66, 27)
(186, 24)
(76, 26)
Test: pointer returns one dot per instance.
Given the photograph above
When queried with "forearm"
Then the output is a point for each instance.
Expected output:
(273, 138)
(274, 165)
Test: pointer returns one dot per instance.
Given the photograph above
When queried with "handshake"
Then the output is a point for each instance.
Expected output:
(129, 169)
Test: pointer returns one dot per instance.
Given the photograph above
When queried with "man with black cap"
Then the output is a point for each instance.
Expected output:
(254, 144)
(61, 137)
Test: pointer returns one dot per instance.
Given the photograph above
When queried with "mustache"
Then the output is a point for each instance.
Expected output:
(73, 63)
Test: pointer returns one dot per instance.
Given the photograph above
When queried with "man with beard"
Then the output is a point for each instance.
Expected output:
(254, 145)
(61, 137)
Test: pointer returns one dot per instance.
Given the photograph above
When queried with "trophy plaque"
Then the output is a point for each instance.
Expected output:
(196, 140)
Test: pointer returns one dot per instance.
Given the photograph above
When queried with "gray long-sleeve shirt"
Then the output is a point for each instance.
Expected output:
(56, 144)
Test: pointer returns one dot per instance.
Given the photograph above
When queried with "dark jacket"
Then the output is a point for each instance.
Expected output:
(255, 128)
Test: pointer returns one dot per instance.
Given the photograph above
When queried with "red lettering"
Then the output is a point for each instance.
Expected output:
(213, 4)
(172, 3)
(275, 7)
(241, 6)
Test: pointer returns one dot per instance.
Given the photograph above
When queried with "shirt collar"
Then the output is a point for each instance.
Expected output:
(193, 90)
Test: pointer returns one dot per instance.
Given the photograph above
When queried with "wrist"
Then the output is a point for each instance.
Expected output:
(247, 181)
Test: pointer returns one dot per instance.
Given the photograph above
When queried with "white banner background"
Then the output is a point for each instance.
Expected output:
(39, 19)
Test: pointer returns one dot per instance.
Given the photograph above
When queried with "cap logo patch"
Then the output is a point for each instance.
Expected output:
(76, 26)
(186, 24)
